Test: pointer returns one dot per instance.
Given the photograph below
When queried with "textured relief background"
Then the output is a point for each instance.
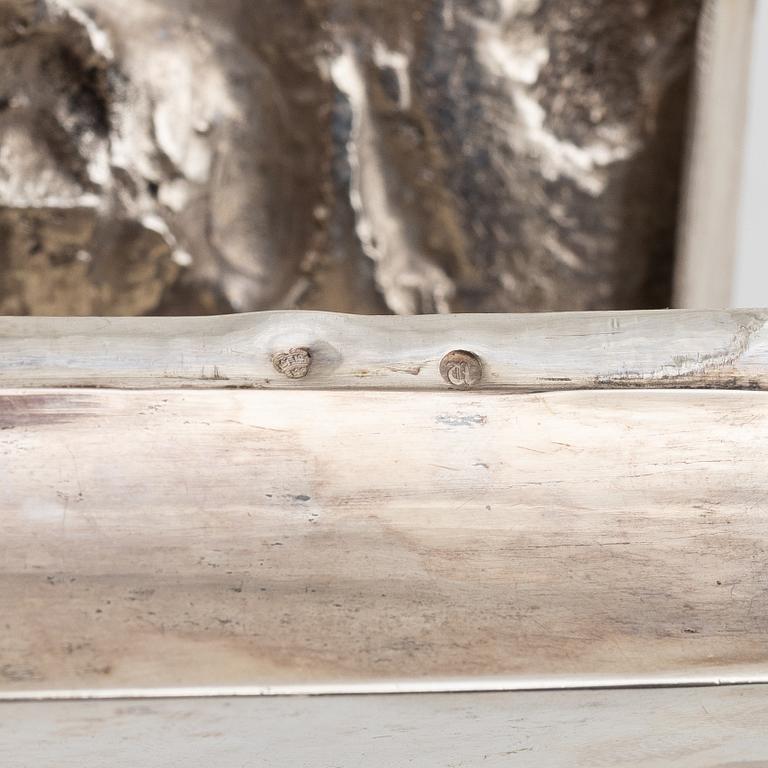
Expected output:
(199, 156)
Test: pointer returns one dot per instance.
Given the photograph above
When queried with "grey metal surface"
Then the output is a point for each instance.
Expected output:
(715, 727)
(751, 266)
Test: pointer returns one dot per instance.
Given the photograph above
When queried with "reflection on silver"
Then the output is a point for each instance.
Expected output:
(447, 155)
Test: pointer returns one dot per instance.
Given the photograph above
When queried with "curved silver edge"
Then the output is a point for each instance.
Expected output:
(459, 685)
(518, 352)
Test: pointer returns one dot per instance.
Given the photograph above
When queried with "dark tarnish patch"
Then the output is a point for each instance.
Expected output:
(37, 410)
(684, 381)
(17, 673)
(460, 419)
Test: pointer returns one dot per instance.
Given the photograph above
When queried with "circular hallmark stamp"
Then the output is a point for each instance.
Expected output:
(461, 369)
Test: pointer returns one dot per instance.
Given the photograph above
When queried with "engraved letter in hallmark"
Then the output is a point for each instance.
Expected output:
(294, 363)
(461, 369)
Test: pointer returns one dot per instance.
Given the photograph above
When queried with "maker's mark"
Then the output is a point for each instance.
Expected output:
(461, 369)
(294, 363)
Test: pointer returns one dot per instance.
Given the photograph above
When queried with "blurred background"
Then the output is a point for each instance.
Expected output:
(213, 156)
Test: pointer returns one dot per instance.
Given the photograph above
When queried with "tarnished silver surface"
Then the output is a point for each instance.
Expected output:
(197, 156)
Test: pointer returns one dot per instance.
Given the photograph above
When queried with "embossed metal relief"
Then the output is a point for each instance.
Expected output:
(180, 157)
(294, 363)
(461, 369)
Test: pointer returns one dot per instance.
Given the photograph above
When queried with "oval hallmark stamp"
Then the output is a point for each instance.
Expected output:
(294, 363)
